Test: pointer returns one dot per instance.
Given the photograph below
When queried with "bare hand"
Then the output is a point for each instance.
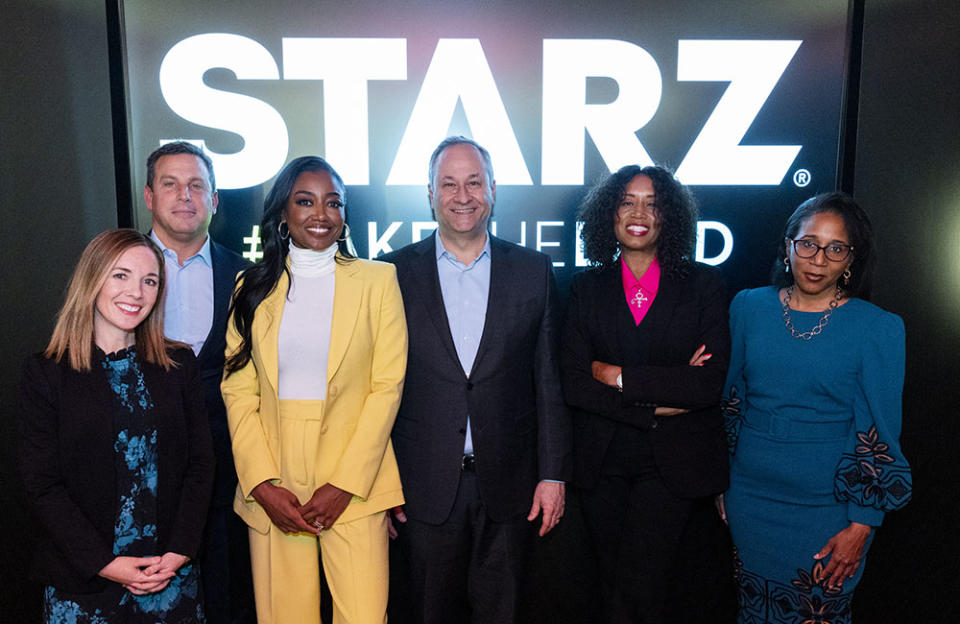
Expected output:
(721, 507)
(282, 507)
(131, 573)
(397, 514)
(605, 373)
(845, 550)
(169, 562)
(699, 358)
(549, 498)
(324, 507)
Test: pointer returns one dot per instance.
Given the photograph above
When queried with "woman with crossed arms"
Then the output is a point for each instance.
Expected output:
(648, 434)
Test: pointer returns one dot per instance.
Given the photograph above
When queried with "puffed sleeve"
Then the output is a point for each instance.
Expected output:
(873, 476)
(734, 387)
(72, 532)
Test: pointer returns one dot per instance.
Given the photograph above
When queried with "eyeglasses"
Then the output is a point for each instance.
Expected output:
(835, 252)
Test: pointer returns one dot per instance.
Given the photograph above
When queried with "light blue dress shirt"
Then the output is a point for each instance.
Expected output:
(465, 289)
(188, 313)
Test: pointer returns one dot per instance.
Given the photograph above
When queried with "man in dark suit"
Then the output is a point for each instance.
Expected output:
(200, 275)
(482, 436)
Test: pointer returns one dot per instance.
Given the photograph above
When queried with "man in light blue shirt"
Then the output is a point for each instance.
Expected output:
(200, 275)
(465, 289)
(482, 436)
(188, 313)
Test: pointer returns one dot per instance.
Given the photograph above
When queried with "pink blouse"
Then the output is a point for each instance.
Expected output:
(640, 293)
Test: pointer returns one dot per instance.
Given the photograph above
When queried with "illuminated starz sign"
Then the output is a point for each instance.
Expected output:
(459, 72)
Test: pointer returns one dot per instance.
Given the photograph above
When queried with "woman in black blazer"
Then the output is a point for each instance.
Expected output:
(115, 447)
(645, 352)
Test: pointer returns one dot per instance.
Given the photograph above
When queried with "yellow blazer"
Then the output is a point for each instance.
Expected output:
(365, 370)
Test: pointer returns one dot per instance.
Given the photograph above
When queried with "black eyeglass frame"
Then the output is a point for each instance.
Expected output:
(824, 248)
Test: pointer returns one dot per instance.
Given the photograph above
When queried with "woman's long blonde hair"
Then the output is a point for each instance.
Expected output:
(73, 333)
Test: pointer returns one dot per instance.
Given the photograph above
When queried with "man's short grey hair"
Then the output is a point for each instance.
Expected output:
(458, 140)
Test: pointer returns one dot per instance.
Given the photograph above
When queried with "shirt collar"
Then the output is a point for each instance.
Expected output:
(203, 254)
(649, 281)
(441, 251)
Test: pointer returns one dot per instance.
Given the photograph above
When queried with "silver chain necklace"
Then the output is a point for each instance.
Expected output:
(807, 335)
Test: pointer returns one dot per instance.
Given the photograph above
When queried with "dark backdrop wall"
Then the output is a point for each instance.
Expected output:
(57, 191)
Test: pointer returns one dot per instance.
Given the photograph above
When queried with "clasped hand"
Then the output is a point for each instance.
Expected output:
(144, 575)
(285, 511)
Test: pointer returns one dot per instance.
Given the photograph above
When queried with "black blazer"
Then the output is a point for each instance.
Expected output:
(67, 433)
(520, 425)
(226, 265)
(689, 449)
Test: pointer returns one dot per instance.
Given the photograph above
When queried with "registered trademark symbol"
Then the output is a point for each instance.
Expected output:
(801, 177)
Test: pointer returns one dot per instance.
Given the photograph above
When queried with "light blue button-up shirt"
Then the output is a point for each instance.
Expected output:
(465, 288)
(188, 313)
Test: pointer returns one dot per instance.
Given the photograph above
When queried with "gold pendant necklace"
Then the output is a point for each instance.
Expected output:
(807, 335)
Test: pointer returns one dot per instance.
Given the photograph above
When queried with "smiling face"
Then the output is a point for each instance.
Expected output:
(637, 222)
(181, 200)
(314, 211)
(126, 297)
(461, 195)
(818, 275)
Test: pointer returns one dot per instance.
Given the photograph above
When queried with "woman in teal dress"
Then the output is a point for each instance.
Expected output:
(813, 413)
(115, 448)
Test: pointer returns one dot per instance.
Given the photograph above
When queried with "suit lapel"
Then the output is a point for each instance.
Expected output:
(498, 295)
(347, 296)
(428, 286)
(266, 329)
(661, 313)
(223, 285)
(612, 304)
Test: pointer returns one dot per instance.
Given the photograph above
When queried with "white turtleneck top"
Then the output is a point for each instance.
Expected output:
(304, 341)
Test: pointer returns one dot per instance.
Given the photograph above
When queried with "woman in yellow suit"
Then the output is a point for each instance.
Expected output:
(316, 354)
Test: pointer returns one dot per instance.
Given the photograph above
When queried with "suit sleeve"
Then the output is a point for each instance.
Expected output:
(72, 532)
(682, 385)
(580, 389)
(198, 477)
(241, 395)
(360, 463)
(554, 433)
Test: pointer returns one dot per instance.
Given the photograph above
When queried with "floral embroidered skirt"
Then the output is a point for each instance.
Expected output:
(782, 511)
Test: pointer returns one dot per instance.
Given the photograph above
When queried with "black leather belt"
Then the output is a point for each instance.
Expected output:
(468, 462)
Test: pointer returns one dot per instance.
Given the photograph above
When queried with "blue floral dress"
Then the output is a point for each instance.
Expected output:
(135, 528)
(814, 428)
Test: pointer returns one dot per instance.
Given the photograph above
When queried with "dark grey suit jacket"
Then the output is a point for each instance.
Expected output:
(226, 265)
(520, 425)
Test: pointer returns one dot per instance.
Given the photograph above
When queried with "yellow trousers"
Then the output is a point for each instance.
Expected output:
(286, 567)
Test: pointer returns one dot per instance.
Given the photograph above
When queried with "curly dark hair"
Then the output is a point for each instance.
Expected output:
(859, 229)
(261, 279)
(676, 211)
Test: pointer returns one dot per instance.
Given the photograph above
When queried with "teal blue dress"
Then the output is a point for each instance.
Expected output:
(135, 528)
(814, 429)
